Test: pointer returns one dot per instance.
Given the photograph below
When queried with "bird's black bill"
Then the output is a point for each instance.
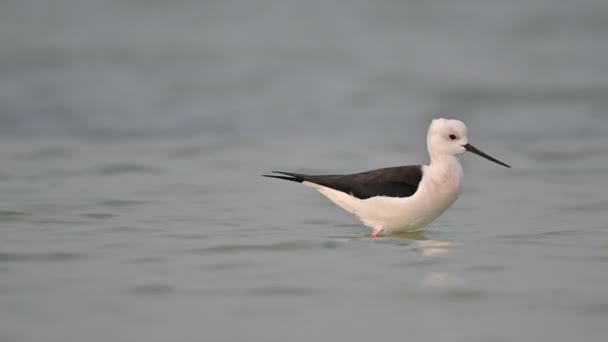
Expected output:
(475, 150)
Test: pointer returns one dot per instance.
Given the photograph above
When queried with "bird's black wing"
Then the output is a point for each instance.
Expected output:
(399, 181)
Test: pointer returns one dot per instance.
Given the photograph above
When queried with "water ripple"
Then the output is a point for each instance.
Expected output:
(50, 152)
(595, 309)
(122, 168)
(45, 257)
(12, 215)
(274, 247)
(288, 291)
(98, 216)
(596, 206)
(152, 289)
(121, 203)
(189, 152)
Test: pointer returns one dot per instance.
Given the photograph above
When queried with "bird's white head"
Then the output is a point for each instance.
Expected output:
(448, 137)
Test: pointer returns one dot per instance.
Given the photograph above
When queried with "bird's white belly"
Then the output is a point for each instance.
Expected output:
(396, 215)
(437, 191)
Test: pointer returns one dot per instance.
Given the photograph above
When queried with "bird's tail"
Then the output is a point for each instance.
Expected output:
(294, 177)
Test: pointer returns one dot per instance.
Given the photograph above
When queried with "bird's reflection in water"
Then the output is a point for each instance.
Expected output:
(424, 245)
(440, 280)
(418, 239)
(427, 248)
(432, 248)
(415, 236)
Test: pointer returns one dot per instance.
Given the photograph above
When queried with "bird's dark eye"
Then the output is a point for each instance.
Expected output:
(452, 136)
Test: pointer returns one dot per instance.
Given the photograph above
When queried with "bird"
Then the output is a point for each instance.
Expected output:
(401, 199)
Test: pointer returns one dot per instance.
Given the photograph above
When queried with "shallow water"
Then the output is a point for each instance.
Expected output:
(180, 240)
(134, 137)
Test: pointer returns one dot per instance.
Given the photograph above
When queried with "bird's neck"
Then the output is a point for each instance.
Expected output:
(444, 161)
(445, 170)
(441, 182)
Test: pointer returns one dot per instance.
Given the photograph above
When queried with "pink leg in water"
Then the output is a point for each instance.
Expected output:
(375, 233)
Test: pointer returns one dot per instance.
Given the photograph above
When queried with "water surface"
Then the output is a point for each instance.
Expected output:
(134, 134)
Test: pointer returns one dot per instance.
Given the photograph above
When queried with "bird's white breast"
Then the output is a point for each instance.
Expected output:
(437, 191)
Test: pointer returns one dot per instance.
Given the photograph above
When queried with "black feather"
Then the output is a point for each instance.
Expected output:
(284, 177)
(399, 181)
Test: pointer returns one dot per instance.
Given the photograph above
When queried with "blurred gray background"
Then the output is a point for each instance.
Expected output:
(92, 68)
(133, 134)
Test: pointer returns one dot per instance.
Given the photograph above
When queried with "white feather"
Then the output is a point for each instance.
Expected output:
(436, 192)
(438, 189)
